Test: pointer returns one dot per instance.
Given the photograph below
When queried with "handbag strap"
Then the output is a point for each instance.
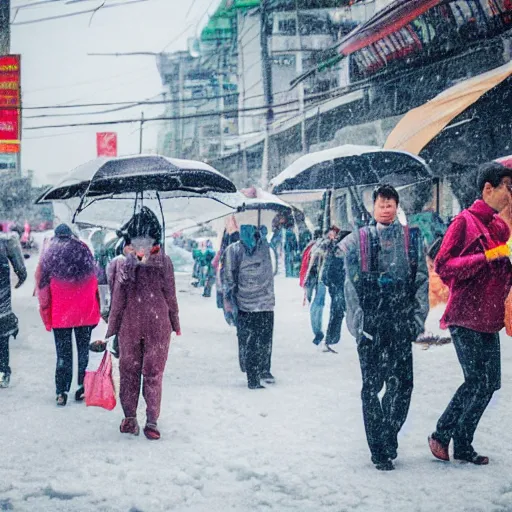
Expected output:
(105, 366)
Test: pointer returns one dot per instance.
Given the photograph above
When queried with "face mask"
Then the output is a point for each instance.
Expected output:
(142, 248)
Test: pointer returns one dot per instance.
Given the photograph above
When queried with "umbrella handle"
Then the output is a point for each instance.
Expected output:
(163, 220)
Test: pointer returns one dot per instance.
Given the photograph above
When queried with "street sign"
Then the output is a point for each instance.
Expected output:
(10, 104)
(106, 143)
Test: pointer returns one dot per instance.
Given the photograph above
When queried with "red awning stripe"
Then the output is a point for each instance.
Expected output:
(391, 19)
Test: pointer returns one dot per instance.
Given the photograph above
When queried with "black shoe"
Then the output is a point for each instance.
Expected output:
(268, 378)
(62, 399)
(255, 386)
(80, 394)
(385, 465)
(472, 457)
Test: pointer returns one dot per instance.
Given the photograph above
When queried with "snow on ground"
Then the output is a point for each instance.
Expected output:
(296, 446)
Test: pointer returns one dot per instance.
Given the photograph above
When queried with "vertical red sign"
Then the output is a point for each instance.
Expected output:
(10, 104)
(106, 143)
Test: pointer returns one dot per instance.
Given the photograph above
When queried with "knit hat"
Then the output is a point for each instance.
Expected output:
(63, 231)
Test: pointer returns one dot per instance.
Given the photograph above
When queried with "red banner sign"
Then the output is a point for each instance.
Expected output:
(10, 104)
(106, 143)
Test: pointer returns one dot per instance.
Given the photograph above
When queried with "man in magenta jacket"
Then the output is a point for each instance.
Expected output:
(474, 261)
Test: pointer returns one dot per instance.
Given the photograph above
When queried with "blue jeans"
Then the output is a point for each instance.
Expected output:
(316, 312)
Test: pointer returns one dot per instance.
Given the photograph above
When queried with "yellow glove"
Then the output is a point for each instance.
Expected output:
(502, 251)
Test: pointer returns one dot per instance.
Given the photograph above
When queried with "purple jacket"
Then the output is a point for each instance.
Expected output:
(144, 301)
(478, 288)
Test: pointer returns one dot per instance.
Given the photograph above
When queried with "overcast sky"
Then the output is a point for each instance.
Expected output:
(57, 70)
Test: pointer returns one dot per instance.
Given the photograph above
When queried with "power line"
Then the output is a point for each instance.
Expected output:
(169, 118)
(78, 13)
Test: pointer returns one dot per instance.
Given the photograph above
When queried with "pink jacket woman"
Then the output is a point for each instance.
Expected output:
(68, 300)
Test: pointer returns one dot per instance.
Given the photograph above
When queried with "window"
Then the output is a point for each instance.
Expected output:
(286, 27)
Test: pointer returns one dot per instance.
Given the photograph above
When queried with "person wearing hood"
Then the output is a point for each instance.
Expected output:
(68, 301)
(248, 286)
(386, 292)
(474, 261)
(10, 252)
(143, 314)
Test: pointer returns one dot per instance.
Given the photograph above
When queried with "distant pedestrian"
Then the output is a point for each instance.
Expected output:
(10, 252)
(143, 313)
(316, 289)
(386, 293)
(68, 301)
(333, 277)
(248, 285)
(474, 261)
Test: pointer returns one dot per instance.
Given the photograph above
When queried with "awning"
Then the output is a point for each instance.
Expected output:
(390, 19)
(420, 125)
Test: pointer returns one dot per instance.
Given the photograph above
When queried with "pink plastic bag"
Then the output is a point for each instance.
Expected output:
(99, 386)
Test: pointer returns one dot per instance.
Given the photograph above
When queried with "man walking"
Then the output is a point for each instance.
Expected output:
(314, 283)
(333, 276)
(474, 262)
(10, 251)
(248, 285)
(386, 292)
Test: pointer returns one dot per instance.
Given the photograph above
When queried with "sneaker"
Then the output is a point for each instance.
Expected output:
(80, 394)
(268, 378)
(438, 449)
(62, 399)
(129, 426)
(473, 458)
(328, 348)
(385, 465)
(5, 379)
(151, 432)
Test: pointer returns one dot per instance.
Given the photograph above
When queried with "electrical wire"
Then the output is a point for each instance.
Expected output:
(170, 118)
(77, 13)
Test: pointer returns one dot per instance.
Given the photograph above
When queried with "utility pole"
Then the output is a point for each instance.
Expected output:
(266, 68)
(5, 27)
(141, 131)
(298, 69)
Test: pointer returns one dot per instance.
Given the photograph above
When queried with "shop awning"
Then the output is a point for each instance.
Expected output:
(420, 125)
(390, 19)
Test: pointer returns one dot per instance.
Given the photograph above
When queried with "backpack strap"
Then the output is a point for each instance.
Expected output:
(412, 239)
(363, 249)
(369, 249)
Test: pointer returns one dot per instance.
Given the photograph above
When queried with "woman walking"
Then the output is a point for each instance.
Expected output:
(68, 300)
(143, 313)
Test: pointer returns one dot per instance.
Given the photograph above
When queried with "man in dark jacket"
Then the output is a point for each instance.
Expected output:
(474, 261)
(386, 292)
(10, 251)
(248, 285)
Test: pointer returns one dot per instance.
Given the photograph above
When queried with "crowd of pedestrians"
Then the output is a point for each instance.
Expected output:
(376, 276)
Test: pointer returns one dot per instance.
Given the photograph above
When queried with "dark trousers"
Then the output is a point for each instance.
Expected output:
(387, 359)
(479, 357)
(64, 348)
(255, 331)
(336, 315)
(4, 355)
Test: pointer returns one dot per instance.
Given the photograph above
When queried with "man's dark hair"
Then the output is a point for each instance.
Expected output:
(493, 173)
(386, 192)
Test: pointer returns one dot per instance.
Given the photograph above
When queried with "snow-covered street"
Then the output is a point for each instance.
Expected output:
(296, 446)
